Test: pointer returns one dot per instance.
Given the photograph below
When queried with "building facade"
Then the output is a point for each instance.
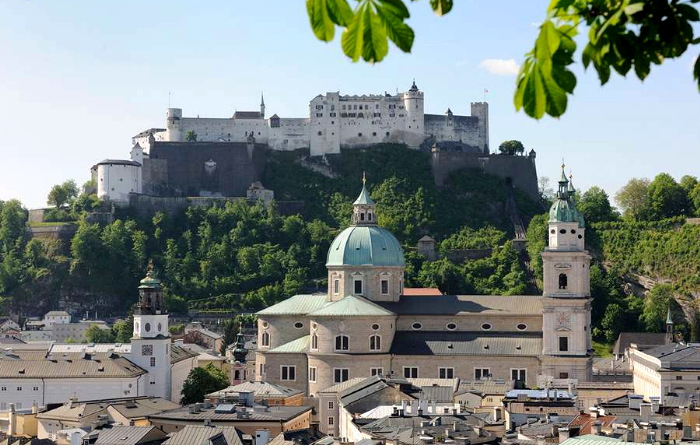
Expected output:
(366, 325)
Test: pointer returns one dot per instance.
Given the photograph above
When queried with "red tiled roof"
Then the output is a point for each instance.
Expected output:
(585, 421)
(421, 291)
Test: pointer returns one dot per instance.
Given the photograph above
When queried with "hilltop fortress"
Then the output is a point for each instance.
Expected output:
(337, 122)
(226, 157)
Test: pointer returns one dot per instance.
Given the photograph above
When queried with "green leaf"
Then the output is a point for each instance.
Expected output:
(547, 41)
(688, 12)
(321, 23)
(395, 7)
(441, 7)
(641, 66)
(696, 71)
(365, 36)
(340, 12)
(634, 8)
(400, 33)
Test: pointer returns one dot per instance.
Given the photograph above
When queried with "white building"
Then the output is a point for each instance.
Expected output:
(116, 178)
(53, 373)
(56, 317)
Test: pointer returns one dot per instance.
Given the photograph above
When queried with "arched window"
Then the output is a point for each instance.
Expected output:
(375, 342)
(563, 281)
(342, 342)
(265, 339)
(314, 342)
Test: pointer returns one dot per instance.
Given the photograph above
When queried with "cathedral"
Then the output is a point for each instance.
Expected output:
(369, 324)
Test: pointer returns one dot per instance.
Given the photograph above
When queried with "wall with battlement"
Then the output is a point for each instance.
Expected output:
(520, 170)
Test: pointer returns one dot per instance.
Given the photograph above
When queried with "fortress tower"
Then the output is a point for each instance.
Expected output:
(174, 125)
(566, 306)
(414, 104)
(150, 344)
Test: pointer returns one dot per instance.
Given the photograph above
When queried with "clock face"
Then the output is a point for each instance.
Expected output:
(146, 350)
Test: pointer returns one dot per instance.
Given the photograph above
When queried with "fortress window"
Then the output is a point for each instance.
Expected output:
(354, 107)
(374, 133)
(153, 362)
(342, 342)
(387, 133)
(563, 375)
(563, 281)
(265, 339)
(563, 344)
(385, 287)
(580, 236)
(375, 343)
(314, 342)
(320, 133)
(376, 106)
(486, 326)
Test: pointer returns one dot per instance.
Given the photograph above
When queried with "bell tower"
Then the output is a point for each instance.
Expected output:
(150, 344)
(566, 308)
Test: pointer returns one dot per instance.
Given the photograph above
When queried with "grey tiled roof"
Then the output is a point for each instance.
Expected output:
(128, 435)
(267, 390)
(201, 434)
(439, 394)
(625, 339)
(297, 305)
(466, 343)
(676, 356)
(466, 304)
(350, 306)
(275, 414)
(247, 115)
(299, 345)
(69, 365)
(129, 407)
(344, 386)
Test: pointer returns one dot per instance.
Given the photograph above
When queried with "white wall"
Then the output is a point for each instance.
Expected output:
(116, 181)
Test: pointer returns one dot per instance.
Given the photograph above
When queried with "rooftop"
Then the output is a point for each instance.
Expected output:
(466, 343)
(349, 306)
(466, 304)
(262, 390)
(240, 414)
(297, 305)
(202, 434)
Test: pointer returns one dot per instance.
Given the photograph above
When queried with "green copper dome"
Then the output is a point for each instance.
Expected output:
(563, 208)
(365, 246)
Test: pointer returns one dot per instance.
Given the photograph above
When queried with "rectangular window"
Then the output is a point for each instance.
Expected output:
(331, 405)
(331, 420)
(314, 342)
(376, 372)
(262, 368)
(340, 375)
(358, 287)
(482, 373)
(342, 343)
(385, 287)
(410, 372)
(288, 372)
(36, 388)
(518, 374)
(153, 362)
(19, 388)
(563, 344)
(312, 374)
(336, 286)
(679, 377)
(446, 373)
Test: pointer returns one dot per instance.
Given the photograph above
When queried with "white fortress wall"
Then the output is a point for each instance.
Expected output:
(291, 134)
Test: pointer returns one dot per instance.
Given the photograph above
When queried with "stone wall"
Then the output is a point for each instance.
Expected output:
(520, 170)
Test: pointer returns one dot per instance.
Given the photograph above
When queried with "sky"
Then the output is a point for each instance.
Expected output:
(79, 78)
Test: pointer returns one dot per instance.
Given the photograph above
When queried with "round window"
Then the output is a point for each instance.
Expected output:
(562, 231)
(375, 327)
(451, 326)
(160, 327)
(298, 325)
(265, 324)
(147, 327)
(521, 326)
(553, 231)
(580, 236)
(314, 326)
(417, 326)
(486, 326)
(573, 230)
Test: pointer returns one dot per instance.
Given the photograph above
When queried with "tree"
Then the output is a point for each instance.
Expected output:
(623, 35)
(122, 330)
(511, 147)
(202, 381)
(632, 198)
(96, 334)
(63, 194)
(595, 206)
(666, 197)
(612, 322)
(191, 136)
(656, 306)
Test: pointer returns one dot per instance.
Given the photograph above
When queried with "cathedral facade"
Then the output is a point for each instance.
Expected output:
(369, 324)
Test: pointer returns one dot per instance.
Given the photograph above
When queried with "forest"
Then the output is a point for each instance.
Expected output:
(242, 257)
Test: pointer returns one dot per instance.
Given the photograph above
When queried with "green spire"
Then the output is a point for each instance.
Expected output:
(564, 206)
(364, 198)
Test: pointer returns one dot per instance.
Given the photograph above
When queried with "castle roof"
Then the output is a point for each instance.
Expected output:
(247, 115)
(351, 306)
(117, 162)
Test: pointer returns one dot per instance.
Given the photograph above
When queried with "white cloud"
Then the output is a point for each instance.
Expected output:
(500, 67)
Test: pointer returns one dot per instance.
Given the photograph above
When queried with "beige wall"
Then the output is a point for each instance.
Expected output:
(273, 364)
(499, 366)
(358, 329)
(281, 329)
(371, 278)
(471, 322)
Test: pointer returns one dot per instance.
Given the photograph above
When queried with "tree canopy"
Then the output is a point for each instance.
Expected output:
(63, 194)
(202, 381)
(511, 147)
(623, 35)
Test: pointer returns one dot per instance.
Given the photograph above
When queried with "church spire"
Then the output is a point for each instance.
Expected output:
(363, 212)
(262, 105)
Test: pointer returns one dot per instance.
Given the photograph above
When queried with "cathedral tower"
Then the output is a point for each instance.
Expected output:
(150, 344)
(566, 307)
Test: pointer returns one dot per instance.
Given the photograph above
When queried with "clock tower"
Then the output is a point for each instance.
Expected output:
(566, 306)
(150, 344)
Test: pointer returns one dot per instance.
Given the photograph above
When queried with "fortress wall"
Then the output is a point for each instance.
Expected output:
(466, 129)
(228, 129)
(292, 134)
(520, 170)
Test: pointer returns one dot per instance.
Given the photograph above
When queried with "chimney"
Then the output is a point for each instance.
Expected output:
(563, 434)
(645, 411)
(420, 411)
(595, 427)
(35, 407)
(12, 421)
